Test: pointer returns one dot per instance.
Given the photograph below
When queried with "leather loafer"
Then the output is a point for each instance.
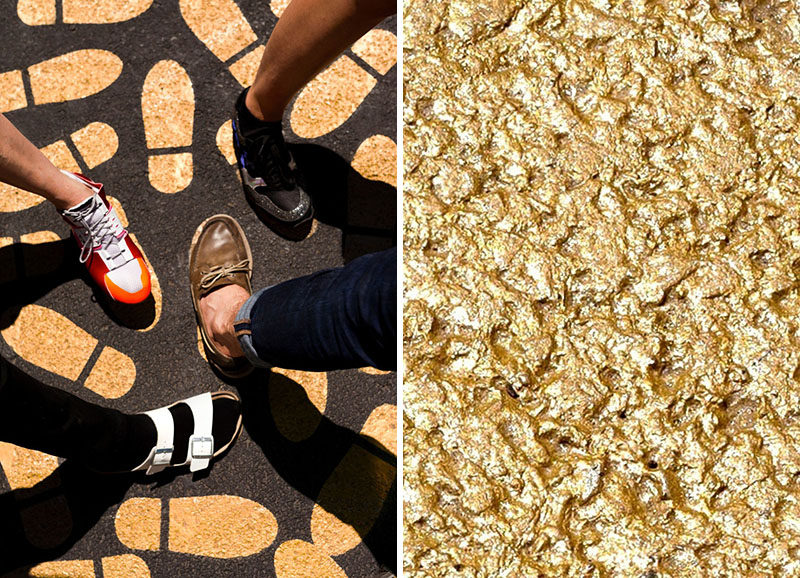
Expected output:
(219, 256)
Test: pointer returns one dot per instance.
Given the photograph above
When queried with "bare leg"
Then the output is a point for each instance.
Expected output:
(309, 35)
(24, 166)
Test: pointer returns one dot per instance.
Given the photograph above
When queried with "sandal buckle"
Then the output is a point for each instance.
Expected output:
(162, 456)
(202, 447)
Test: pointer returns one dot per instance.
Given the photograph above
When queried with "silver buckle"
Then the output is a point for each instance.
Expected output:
(162, 456)
(202, 447)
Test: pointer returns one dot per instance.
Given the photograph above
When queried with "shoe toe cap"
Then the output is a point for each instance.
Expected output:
(129, 283)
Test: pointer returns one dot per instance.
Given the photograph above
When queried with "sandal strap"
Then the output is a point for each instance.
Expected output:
(161, 454)
(201, 443)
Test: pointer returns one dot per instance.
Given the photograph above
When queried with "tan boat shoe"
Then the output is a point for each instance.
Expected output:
(219, 256)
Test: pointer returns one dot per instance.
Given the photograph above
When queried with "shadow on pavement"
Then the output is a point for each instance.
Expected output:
(30, 271)
(351, 476)
(43, 522)
(365, 210)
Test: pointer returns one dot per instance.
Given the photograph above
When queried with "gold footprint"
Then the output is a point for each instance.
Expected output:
(376, 159)
(352, 497)
(217, 526)
(168, 115)
(334, 95)
(96, 143)
(289, 399)
(373, 371)
(70, 76)
(63, 348)
(278, 6)
(225, 142)
(299, 559)
(226, 43)
(381, 427)
(43, 12)
(122, 566)
(24, 469)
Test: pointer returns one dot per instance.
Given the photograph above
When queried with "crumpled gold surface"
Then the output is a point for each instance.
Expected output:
(602, 253)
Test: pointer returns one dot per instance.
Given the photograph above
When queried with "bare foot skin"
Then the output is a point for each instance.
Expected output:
(218, 309)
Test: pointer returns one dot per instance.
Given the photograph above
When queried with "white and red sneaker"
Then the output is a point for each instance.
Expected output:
(112, 258)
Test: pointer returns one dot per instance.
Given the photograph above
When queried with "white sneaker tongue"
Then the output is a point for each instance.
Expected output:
(88, 213)
(82, 206)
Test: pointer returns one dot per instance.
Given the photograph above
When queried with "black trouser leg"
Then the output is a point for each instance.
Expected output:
(43, 418)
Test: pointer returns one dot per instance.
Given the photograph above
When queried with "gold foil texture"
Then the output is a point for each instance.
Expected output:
(602, 256)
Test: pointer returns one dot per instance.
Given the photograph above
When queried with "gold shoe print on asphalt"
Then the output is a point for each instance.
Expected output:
(43, 12)
(381, 427)
(25, 469)
(352, 498)
(121, 566)
(335, 94)
(32, 262)
(297, 400)
(376, 159)
(58, 80)
(168, 115)
(111, 376)
(226, 43)
(299, 559)
(376, 162)
(217, 526)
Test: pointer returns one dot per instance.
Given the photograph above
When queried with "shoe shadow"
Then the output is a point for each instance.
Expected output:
(365, 210)
(43, 522)
(30, 271)
(356, 498)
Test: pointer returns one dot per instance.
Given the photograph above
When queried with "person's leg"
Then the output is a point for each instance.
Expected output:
(333, 319)
(112, 258)
(309, 35)
(44, 418)
(47, 419)
(24, 166)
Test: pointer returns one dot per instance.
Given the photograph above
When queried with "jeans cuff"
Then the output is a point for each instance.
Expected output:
(243, 327)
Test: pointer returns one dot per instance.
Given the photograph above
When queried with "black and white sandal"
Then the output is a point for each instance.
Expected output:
(202, 446)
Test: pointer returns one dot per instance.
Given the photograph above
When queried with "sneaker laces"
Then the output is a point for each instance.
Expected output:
(273, 157)
(217, 272)
(105, 233)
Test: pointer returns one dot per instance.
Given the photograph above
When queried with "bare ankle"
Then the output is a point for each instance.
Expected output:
(71, 193)
(257, 106)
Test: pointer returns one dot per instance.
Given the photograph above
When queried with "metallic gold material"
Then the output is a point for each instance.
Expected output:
(602, 254)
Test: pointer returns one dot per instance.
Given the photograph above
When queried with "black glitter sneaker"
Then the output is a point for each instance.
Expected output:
(269, 175)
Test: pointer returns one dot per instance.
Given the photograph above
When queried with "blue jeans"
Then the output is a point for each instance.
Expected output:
(333, 319)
